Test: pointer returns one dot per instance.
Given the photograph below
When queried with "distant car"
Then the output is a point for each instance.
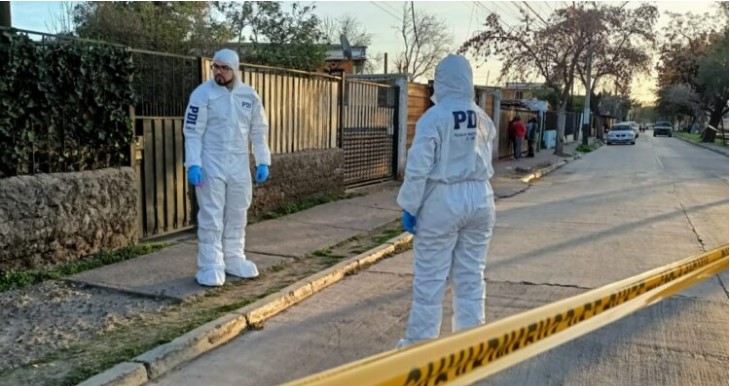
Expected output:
(663, 128)
(634, 126)
(621, 133)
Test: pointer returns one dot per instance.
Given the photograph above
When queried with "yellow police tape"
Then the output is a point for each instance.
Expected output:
(468, 356)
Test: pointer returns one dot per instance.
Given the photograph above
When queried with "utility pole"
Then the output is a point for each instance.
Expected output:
(587, 106)
(5, 14)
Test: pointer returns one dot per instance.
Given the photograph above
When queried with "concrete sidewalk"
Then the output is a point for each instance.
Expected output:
(711, 147)
(170, 272)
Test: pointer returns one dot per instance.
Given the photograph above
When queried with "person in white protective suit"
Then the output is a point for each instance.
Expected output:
(223, 114)
(448, 203)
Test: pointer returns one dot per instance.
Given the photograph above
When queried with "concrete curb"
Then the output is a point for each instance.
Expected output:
(123, 374)
(160, 360)
(547, 170)
(707, 147)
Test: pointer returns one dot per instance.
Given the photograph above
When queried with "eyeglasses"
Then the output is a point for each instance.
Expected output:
(216, 67)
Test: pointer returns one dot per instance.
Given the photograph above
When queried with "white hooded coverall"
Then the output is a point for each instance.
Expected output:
(217, 128)
(447, 188)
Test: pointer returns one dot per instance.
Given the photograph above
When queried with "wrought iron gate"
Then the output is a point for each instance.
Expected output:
(368, 135)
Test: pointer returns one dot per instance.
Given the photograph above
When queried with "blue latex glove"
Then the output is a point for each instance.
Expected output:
(262, 174)
(409, 222)
(195, 175)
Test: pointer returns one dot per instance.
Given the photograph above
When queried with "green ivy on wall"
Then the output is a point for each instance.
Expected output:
(64, 105)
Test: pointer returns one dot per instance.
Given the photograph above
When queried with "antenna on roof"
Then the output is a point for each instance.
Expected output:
(346, 48)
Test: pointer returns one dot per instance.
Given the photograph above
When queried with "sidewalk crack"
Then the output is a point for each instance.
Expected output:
(689, 220)
(722, 285)
(541, 284)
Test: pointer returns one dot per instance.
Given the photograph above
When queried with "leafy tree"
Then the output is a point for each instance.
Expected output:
(712, 78)
(425, 42)
(693, 67)
(552, 51)
(623, 52)
(269, 35)
(166, 26)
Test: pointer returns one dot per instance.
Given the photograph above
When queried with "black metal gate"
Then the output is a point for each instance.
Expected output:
(369, 132)
(164, 82)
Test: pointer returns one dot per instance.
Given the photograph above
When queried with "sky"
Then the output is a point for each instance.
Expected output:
(379, 18)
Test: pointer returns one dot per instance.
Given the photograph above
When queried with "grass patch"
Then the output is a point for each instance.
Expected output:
(587, 148)
(389, 234)
(18, 278)
(298, 206)
(322, 253)
(696, 137)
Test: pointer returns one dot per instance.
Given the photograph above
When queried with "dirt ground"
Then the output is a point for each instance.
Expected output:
(58, 333)
(40, 320)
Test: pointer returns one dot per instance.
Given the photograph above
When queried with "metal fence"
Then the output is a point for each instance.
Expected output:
(164, 83)
(301, 107)
(305, 111)
(572, 122)
(369, 132)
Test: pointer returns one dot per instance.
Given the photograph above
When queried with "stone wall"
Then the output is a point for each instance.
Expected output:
(298, 177)
(51, 218)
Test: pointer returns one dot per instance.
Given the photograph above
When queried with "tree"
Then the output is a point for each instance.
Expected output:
(623, 51)
(711, 81)
(292, 39)
(348, 26)
(166, 26)
(552, 51)
(694, 55)
(356, 34)
(679, 99)
(63, 22)
(425, 40)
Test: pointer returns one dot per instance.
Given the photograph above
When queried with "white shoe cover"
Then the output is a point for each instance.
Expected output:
(241, 268)
(210, 277)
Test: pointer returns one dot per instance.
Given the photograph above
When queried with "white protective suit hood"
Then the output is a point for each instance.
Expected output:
(229, 58)
(453, 79)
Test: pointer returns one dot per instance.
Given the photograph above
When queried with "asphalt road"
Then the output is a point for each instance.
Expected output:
(617, 212)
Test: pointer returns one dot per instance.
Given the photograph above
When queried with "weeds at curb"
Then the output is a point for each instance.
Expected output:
(16, 279)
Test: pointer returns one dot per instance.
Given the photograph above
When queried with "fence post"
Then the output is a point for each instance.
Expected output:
(341, 110)
(497, 107)
(136, 154)
(395, 94)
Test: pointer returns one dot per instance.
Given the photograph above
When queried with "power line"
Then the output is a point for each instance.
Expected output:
(536, 14)
(471, 18)
(505, 10)
(387, 5)
(499, 17)
(415, 30)
(518, 6)
(386, 11)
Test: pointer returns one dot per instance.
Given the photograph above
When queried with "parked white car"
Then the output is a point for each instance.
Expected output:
(634, 126)
(621, 133)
